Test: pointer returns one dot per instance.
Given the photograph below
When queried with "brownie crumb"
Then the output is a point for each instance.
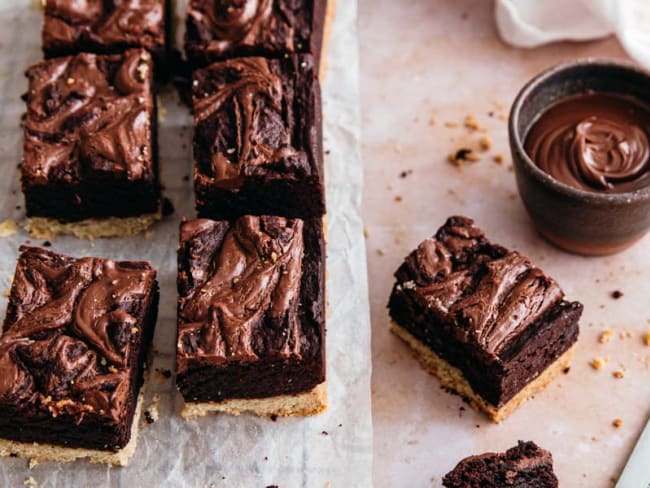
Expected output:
(13, 454)
(167, 207)
(617, 423)
(266, 458)
(47, 244)
(606, 335)
(406, 173)
(325, 432)
(616, 294)
(566, 370)
(186, 178)
(148, 417)
(272, 486)
(463, 154)
(398, 198)
(328, 152)
(274, 418)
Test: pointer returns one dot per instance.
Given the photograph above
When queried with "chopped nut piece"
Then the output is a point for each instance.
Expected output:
(70, 81)
(598, 363)
(606, 335)
(498, 158)
(618, 374)
(617, 423)
(485, 142)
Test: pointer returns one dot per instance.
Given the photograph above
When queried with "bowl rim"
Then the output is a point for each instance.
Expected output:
(524, 160)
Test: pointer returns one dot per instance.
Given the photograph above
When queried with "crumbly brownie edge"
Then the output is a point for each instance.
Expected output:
(305, 404)
(452, 378)
(51, 452)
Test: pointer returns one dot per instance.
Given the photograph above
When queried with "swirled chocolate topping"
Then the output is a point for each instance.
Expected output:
(240, 302)
(88, 118)
(594, 141)
(490, 294)
(70, 333)
(80, 25)
(243, 111)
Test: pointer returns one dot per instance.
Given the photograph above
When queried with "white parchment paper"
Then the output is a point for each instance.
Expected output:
(333, 449)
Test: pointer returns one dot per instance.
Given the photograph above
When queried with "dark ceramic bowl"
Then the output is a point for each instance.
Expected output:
(576, 220)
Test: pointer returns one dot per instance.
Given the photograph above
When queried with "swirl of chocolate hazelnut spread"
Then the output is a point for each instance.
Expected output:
(68, 333)
(104, 23)
(89, 117)
(255, 275)
(253, 98)
(236, 21)
(594, 141)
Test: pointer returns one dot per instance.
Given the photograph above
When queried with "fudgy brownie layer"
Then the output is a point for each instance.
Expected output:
(91, 138)
(258, 139)
(270, 28)
(107, 27)
(251, 308)
(72, 354)
(525, 465)
(485, 310)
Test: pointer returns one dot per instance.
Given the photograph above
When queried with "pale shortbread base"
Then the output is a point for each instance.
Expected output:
(330, 11)
(454, 379)
(51, 452)
(46, 228)
(312, 402)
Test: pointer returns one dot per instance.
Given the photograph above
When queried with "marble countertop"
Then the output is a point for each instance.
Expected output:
(426, 65)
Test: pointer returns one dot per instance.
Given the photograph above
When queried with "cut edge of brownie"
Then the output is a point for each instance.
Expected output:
(526, 464)
(266, 189)
(25, 441)
(271, 396)
(494, 378)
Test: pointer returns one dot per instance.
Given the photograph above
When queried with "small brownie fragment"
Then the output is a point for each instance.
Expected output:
(251, 316)
(90, 138)
(492, 326)
(269, 28)
(104, 27)
(72, 355)
(525, 465)
(258, 139)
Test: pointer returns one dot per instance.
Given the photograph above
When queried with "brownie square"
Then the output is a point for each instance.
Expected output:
(492, 326)
(251, 316)
(270, 28)
(525, 465)
(90, 138)
(104, 26)
(72, 355)
(258, 139)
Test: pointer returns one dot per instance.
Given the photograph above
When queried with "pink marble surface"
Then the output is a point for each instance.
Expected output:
(443, 59)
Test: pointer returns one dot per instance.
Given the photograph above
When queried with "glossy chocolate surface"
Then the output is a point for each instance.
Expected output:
(251, 318)
(222, 29)
(103, 26)
(73, 348)
(594, 141)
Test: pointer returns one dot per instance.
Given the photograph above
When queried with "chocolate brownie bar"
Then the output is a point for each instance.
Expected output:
(251, 316)
(105, 27)
(270, 28)
(525, 465)
(72, 355)
(90, 162)
(258, 139)
(492, 326)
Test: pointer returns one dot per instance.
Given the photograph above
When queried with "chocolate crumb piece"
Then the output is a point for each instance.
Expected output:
(148, 417)
(13, 454)
(566, 370)
(47, 244)
(617, 423)
(274, 417)
(166, 373)
(398, 198)
(463, 154)
(167, 207)
(272, 486)
(324, 432)
(186, 178)
(266, 458)
(406, 173)
(327, 152)
(340, 425)
(616, 294)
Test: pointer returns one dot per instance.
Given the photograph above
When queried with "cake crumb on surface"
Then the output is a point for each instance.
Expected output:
(33, 462)
(618, 374)
(598, 363)
(606, 335)
(471, 123)
(617, 423)
(646, 338)
(8, 228)
(485, 142)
